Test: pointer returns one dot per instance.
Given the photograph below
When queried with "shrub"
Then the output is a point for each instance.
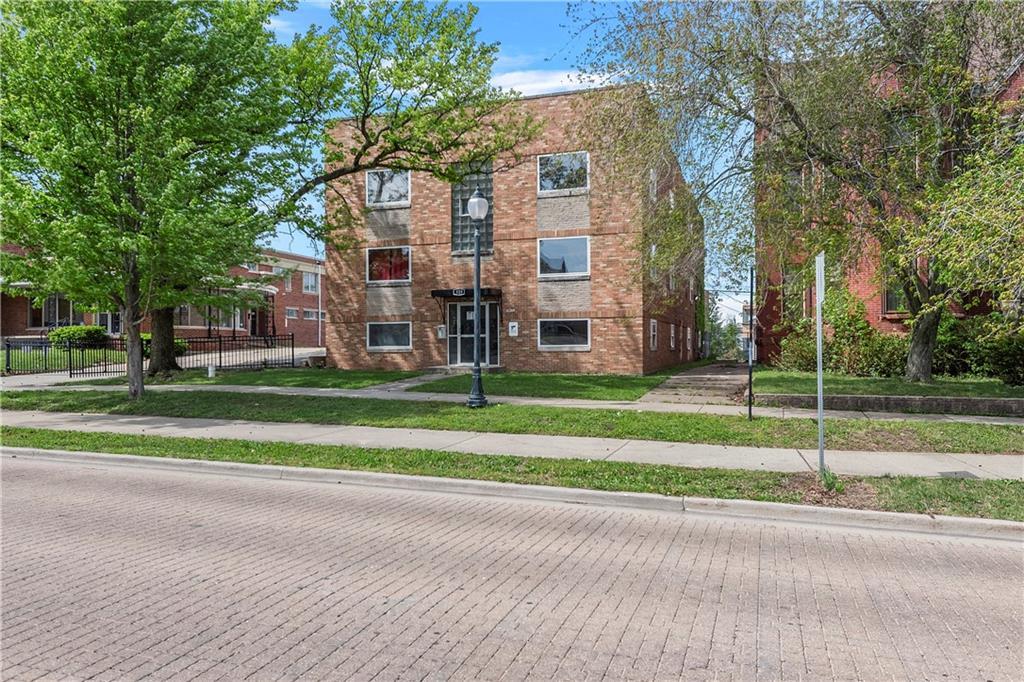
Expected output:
(180, 345)
(886, 355)
(90, 334)
(799, 352)
(1006, 358)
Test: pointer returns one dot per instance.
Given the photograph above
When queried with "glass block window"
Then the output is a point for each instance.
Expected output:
(462, 224)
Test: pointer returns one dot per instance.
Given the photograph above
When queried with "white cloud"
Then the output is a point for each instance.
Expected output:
(507, 62)
(539, 81)
(282, 27)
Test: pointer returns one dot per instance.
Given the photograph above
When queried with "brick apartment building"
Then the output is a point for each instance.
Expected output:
(885, 306)
(292, 305)
(560, 291)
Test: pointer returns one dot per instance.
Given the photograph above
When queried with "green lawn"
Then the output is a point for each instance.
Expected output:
(540, 385)
(310, 377)
(842, 434)
(982, 498)
(776, 381)
(56, 359)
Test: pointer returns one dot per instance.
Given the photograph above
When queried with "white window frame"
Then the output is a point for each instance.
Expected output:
(312, 316)
(366, 258)
(574, 349)
(572, 275)
(689, 337)
(653, 333)
(289, 309)
(317, 280)
(251, 267)
(385, 204)
(388, 349)
(672, 336)
(562, 192)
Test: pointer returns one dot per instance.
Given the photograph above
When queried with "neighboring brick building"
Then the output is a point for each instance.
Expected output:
(292, 305)
(885, 306)
(560, 291)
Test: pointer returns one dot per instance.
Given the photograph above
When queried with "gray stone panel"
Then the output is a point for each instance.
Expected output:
(558, 295)
(388, 223)
(563, 212)
(390, 300)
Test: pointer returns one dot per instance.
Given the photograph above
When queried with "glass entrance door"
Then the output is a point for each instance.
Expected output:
(460, 333)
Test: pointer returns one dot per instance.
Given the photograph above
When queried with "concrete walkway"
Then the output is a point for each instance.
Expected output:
(397, 391)
(715, 384)
(568, 447)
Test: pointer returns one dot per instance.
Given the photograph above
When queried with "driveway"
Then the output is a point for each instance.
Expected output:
(123, 573)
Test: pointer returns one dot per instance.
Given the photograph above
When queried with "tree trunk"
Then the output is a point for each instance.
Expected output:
(133, 346)
(161, 347)
(923, 336)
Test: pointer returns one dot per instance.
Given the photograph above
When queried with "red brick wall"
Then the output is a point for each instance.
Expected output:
(616, 301)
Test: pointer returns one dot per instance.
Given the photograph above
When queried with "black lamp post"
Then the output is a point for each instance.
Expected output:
(477, 208)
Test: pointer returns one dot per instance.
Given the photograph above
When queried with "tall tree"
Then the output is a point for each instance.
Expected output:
(149, 146)
(839, 120)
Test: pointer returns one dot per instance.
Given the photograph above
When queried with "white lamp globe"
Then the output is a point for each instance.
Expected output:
(477, 205)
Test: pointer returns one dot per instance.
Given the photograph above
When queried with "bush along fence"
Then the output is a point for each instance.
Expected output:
(108, 355)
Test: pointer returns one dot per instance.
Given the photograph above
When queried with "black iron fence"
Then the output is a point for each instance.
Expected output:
(110, 356)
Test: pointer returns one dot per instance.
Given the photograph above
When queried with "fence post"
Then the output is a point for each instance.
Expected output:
(220, 352)
(7, 357)
(291, 342)
(71, 371)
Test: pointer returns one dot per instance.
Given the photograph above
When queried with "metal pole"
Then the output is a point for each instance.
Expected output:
(819, 295)
(7, 357)
(750, 351)
(476, 393)
(319, 304)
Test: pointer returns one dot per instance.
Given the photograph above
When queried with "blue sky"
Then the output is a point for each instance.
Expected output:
(537, 54)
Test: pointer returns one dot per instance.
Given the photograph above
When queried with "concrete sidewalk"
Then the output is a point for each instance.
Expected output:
(399, 393)
(568, 447)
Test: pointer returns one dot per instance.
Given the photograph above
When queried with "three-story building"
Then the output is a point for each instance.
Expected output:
(562, 281)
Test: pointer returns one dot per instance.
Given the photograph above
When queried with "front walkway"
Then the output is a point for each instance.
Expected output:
(715, 384)
(559, 447)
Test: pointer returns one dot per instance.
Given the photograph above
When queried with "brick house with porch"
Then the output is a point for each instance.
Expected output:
(558, 273)
(293, 304)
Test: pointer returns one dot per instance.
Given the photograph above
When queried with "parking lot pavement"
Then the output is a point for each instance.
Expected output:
(124, 573)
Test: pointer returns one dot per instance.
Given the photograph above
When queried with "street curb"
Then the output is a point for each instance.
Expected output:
(988, 529)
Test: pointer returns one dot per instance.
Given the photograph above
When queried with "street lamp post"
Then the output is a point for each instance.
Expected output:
(477, 208)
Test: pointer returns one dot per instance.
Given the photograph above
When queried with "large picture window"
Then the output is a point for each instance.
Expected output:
(390, 264)
(387, 188)
(563, 257)
(462, 225)
(563, 334)
(384, 336)
(559, 172)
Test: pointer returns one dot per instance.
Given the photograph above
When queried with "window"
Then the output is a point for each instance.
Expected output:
(391, 264)
(288, 282)
(462, 225)
(291, 313)
(689, 337)
(57, 311)
(383, 336)
(308, 314)
(558, 172)
(672, 336)
(387, 188)
(563, 257)
(323, 314)
(654, 334)
(895, 298)
(310, 283)
(563, 334)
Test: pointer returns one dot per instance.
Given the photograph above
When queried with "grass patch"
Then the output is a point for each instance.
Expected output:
(805, 383)
(310, 377)
(841, 434)
(49, 359)
(992, 499)
(543, 385)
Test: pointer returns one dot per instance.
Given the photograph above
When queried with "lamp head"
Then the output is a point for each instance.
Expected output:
(477, 205)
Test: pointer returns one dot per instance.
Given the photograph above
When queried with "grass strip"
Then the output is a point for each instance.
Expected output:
(841, 434)
(544, 385)
(978, 498)
(805, 383)
(306, 377)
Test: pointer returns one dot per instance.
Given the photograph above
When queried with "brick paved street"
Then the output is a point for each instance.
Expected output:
(123, 573)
